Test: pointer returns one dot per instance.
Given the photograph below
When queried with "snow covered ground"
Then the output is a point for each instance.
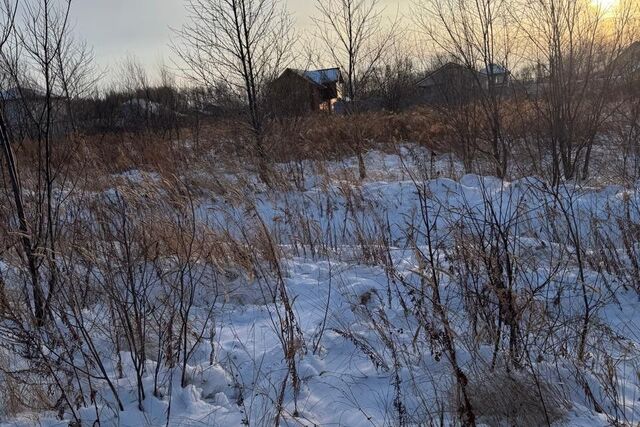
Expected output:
(360, 263)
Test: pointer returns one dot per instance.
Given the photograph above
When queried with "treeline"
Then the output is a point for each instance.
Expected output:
(571, 65)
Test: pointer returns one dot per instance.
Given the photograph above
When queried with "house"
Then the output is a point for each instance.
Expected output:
(22, 107)
(495, 75)
(452, 83)
(302, 91)
(455, 84)
(628, 62)
(626, 72)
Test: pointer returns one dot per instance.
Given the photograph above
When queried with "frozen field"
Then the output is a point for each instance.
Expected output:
(383, 302)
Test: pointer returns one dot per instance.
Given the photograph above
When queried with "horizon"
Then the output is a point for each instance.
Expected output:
(143, 29)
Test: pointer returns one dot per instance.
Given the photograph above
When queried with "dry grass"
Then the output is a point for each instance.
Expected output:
(202, 156)
(227, 145)
(510, 399)
(323, 136)
(21, 391)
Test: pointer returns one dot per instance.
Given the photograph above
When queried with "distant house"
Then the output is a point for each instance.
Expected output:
(300, 91)
(455, 83)
(626, 72)
(628, 62)
(452, 83)
(21, 108)
(496, 75)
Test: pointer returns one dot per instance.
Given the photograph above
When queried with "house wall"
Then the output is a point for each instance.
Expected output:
(456, 85)
(21, 117)
(450, 87)
(292, 94)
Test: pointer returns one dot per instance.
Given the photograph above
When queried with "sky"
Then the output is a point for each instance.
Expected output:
(116, 29)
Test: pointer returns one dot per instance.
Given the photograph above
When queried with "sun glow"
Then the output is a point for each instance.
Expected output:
(605, 5)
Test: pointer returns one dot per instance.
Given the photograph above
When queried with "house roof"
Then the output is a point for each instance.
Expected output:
(435, 77)
(15, 93)
(321, 77)
(630, 56)
(494, 69)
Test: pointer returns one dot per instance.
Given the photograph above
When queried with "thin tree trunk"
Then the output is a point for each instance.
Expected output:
(26, 238)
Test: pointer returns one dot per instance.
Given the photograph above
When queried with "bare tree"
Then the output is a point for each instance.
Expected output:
(475, 34)
(9, 11)
(242, 44)
(41, 55)
(354, 38)
(576, 46)
(393, 81)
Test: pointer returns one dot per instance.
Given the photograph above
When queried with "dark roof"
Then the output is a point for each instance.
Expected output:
(319, 77)
(15, 93)
(438, 75)
(324, 76)
(630, 56)
(494, 69)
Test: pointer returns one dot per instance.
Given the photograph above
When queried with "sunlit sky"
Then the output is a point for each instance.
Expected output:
(116, 29)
